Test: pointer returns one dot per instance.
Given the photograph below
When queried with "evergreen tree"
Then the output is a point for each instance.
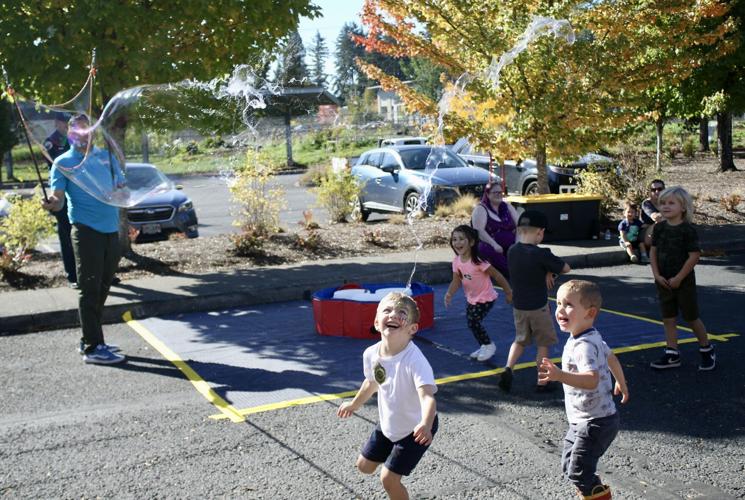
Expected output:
(318, 54)
(350, 81)
(291, 70)
(425, 76)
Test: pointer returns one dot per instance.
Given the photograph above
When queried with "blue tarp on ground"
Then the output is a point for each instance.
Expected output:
(270, 353)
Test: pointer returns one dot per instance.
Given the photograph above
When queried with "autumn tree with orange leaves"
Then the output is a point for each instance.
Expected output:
(556, 98)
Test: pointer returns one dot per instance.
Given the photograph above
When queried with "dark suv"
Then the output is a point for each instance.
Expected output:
(521, 177)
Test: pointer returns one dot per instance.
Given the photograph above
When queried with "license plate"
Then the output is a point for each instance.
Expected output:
(151, 228)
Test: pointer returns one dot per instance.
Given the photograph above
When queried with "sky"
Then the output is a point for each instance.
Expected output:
(334, 14)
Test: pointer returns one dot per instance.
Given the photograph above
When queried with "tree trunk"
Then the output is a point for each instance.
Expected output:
(145, 147)
(540, 163)
(703, 134)
(9, 166)
(659, 126)
(288, 138)
(724, 137)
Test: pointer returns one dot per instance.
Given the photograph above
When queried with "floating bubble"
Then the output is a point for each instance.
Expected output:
(97, 156)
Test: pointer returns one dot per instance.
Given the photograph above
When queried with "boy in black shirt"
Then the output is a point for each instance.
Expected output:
(532, 272)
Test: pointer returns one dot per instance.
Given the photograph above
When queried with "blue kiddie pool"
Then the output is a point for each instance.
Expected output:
(349, 310)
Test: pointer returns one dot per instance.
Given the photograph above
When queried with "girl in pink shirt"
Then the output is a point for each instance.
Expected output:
(475, 275)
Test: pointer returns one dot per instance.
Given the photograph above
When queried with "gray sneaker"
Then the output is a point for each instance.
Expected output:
(110, 347)
(102, 356)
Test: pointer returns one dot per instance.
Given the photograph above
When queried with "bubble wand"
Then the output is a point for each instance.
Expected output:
(11, 93)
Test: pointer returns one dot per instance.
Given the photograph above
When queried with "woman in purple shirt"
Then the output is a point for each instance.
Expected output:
(495, 221)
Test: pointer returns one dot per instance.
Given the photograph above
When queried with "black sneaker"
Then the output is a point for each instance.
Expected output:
(671, 359)
(505, 380)
(708, 358)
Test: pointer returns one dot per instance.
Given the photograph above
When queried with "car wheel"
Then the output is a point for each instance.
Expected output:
(531, 188)
(359, 214)
(411, 203)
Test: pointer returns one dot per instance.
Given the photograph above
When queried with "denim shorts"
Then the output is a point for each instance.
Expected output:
(401, 456)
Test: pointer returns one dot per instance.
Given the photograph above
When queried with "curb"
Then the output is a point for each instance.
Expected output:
(289, 284)
(302, 288)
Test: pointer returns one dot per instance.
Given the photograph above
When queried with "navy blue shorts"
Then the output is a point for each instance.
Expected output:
(401, 456)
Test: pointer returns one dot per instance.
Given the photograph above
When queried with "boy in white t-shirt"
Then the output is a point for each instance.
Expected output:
(397, 370)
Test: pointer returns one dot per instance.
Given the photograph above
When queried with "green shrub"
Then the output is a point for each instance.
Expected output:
(258, 215)
(214, 142)
(313, 176)
(689, 148)
(337, 193)
(608, 184)
(25, 225)
(247, 243)
(638, 170)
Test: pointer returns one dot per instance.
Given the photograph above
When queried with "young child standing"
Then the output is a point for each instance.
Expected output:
(533, 270)
(630, 234)
(397, 370)
(675, 252)
(475, 275)
(587, 364)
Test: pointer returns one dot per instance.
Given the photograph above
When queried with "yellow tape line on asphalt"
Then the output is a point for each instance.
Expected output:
(474, 375)
(238, 415)
(228, 411)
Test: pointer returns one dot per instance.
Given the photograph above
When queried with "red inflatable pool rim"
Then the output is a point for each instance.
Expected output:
(351, 318)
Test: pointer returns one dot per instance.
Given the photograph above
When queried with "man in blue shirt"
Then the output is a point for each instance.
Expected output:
(83, 176)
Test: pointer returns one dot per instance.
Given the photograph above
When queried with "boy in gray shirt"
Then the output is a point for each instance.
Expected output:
(587, 364)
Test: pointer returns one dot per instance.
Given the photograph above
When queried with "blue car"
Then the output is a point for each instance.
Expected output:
(162, 212)
(393, 179)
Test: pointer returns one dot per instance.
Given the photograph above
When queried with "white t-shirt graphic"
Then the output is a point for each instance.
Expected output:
(399, 408)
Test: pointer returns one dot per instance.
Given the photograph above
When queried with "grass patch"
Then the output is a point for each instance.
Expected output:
(462, 207)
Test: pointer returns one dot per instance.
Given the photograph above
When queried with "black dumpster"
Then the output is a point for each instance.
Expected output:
(570, 216)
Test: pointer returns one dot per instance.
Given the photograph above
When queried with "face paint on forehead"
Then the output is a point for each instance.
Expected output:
(400, 312)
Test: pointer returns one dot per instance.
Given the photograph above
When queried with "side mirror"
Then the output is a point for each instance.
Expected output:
(179, 187)
(391, 169)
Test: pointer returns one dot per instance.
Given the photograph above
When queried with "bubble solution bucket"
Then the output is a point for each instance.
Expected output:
(349, 310)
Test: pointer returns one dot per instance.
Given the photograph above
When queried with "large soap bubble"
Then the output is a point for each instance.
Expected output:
(85, 150)
(101, 146)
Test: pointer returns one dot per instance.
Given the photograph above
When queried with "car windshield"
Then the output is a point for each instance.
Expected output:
(145, 178)
(416, 159)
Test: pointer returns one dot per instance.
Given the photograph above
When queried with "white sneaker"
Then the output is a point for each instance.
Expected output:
(475, 354)
(487, 351)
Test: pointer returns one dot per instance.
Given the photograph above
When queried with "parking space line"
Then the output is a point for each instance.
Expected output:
(228, 411)
(448, 380)
(198, 382)
(480, 374)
